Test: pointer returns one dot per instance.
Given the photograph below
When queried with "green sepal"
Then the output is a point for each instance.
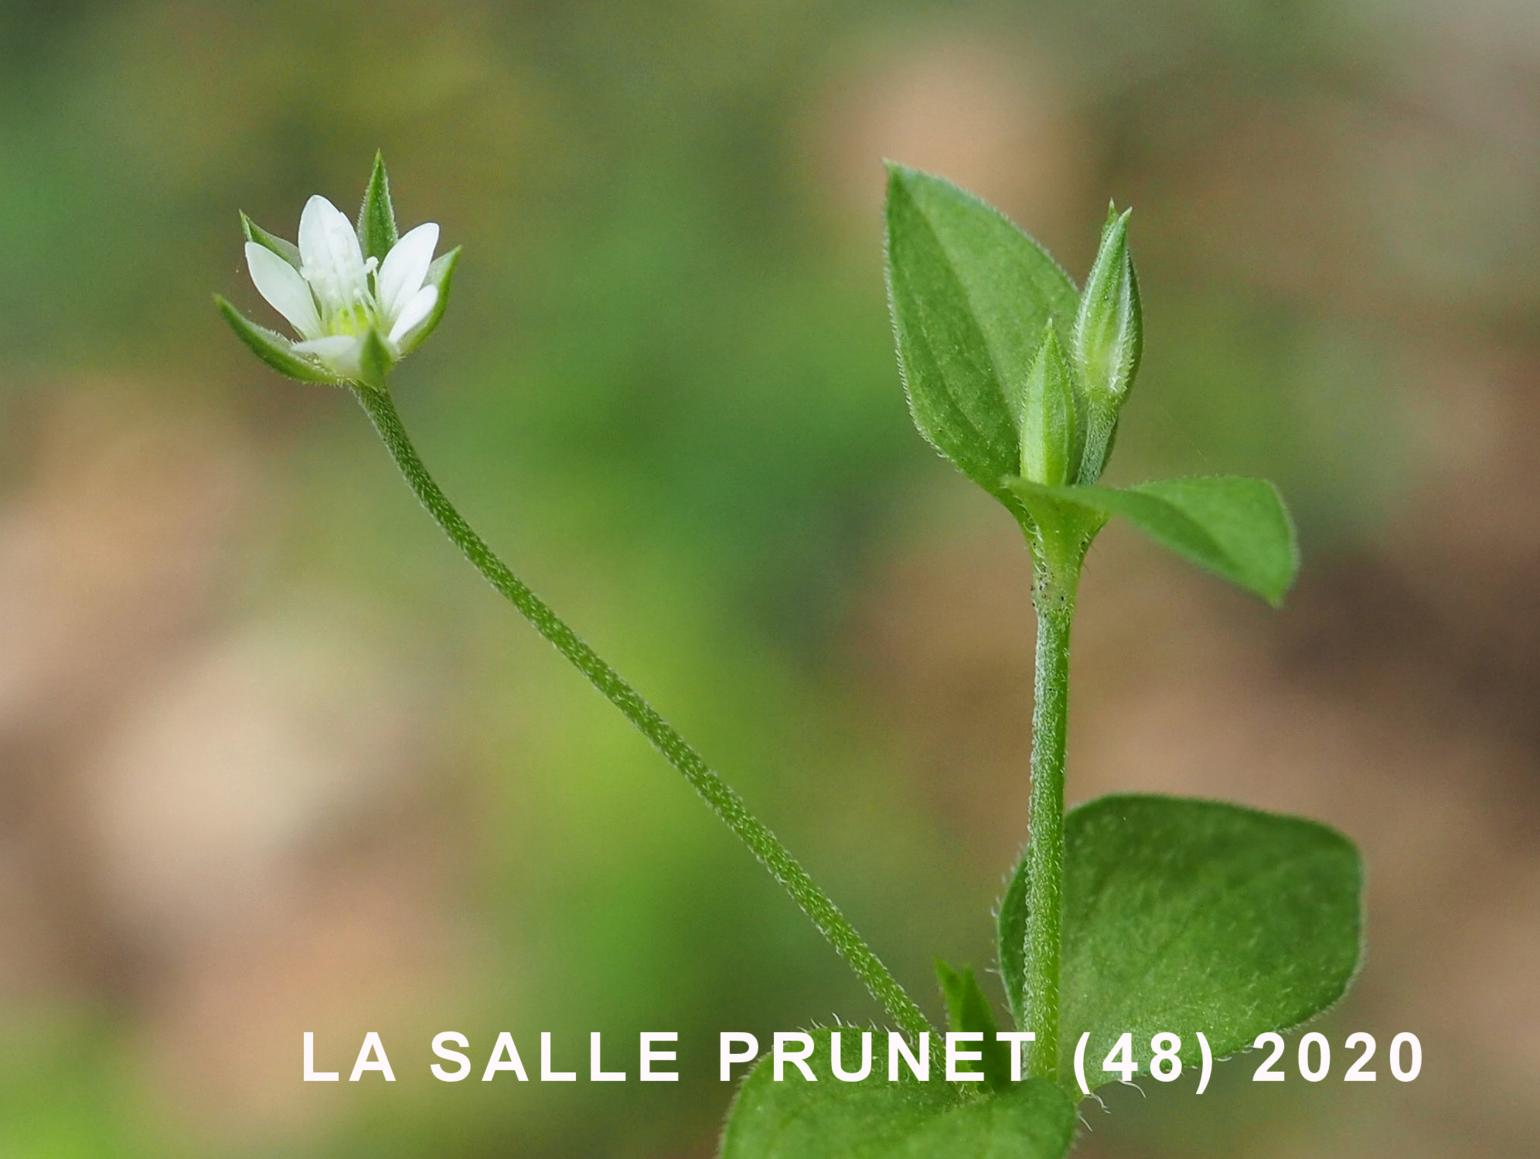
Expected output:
(1185, 915)
(1237, 528)
(440, 274)
(967, 1011)
(377, 216)
(273, 349)
(284, 248)
(1048, 427)
(375, 359)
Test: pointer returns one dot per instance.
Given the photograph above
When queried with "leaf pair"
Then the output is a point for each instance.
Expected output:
(1017, 379)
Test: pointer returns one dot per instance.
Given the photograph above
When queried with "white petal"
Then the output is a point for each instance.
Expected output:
(404, 268)
(414, 313)
(340, 352)
(330, 257)
(285, 291)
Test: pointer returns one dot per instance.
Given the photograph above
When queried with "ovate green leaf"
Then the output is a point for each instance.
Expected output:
(970, 295)
(877, 1119)
(1187, 916)
(1237, 528)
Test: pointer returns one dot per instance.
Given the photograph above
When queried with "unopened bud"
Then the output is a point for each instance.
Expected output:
(1109, 333)
(1047, 425)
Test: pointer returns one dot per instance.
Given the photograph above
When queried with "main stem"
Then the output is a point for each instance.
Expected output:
(717, 794)
(1054, 595)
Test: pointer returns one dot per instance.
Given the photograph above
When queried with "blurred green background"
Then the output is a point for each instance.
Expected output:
(274, 759)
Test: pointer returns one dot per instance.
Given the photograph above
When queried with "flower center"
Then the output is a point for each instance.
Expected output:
(351, 320)
(345, 294)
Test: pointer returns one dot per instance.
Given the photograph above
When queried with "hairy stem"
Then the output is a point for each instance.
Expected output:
(1054, 595)
(717, 794)
(1102, 429)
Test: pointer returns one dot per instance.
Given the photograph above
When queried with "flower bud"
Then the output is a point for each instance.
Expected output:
(1048, 428)
(1109, 332)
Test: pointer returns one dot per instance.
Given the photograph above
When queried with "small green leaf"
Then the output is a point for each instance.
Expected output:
(877, 1119)
(440, 274)
(1237, 528)
(376, 216)
(1186, 916)
(967, 1010)
(970, 295)
(375, 359)
(273, 349)
(287, 250)
(1046, 416)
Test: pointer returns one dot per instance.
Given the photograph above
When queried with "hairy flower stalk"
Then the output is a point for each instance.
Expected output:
(718, 795)
(360, 300)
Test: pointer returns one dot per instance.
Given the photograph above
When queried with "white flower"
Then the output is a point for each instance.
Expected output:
(336, 297)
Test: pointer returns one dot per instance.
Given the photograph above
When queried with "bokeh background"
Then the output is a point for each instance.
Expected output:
(272, 759)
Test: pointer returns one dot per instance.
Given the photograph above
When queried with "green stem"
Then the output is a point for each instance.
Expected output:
(717, 794)
(1102, 429)
(1054, 595)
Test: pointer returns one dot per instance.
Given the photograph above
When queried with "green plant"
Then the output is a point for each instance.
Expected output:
(1193, 926)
